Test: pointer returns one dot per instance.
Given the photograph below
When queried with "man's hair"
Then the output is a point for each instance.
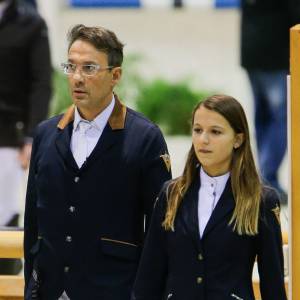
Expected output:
(102, 39)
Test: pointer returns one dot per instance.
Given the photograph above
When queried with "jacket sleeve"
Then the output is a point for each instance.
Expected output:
(153, 268)
(30, 217)
(40, 81)
(270, 252)
(156, 170)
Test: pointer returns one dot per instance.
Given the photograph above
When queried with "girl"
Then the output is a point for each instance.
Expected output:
(212, 223)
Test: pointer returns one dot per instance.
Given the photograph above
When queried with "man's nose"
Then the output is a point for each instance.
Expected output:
(78, 74)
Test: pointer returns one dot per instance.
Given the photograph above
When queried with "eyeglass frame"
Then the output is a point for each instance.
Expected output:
(98, 68)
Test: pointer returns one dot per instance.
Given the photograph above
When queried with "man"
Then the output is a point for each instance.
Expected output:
(94, 174)
(265, 56)
(25, 90)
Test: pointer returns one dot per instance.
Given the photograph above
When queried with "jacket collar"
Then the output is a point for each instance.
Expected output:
(116, 119)
(224, 206)
(189, 210)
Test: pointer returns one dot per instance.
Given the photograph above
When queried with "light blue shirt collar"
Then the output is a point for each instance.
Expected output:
(99, 122)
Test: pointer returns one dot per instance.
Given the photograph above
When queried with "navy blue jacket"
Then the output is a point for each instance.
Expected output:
(84, 228)
(25, 73)
(178, 265)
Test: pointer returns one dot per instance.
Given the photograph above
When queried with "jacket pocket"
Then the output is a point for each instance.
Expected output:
(236, 297)
(120, 249)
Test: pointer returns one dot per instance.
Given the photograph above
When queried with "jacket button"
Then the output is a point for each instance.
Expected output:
(68, 238)
(199, 280)
(66, 269)
(200, 257)
(72, 209)
(76, 179)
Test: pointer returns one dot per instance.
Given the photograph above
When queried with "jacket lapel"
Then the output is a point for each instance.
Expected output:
(224, 206)
(63, 139)
(107, 140)
(110, 135)
(62, 142)
(189, 211)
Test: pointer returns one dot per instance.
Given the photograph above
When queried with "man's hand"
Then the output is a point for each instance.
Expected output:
(24, 155)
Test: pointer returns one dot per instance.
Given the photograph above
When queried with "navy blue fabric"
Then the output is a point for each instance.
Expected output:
(109, 196)
(178, 265)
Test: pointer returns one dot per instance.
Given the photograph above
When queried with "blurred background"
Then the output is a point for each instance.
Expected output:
(174, 50)
(177, 52)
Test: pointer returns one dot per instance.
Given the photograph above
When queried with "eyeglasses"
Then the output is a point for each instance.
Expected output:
(86, 70)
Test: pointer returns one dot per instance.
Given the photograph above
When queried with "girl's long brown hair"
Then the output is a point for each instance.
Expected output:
(245, 182)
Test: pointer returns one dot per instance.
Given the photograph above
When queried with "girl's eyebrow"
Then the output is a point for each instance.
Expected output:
(214, 126)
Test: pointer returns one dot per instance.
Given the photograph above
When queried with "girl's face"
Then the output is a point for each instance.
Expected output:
(214, 141)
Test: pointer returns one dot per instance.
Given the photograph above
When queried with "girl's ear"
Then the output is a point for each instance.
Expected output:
(239, 139)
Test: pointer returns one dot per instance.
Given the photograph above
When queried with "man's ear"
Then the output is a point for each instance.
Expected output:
(116, 75)
(239, 139)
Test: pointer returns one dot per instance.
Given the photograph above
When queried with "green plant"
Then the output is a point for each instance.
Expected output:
(166, 103)
(61, 97)
(169, 104)
(127, 89)
(129, 86)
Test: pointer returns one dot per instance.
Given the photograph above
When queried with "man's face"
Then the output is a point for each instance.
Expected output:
(91, 93)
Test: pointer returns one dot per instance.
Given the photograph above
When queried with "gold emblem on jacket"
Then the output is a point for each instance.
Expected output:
(276, 212)
(167, 161)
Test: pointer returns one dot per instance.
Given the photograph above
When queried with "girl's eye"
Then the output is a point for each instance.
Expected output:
(216, 132)
(197, 130)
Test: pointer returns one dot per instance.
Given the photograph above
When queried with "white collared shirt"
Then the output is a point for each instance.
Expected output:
(209, 194)
(94, 130)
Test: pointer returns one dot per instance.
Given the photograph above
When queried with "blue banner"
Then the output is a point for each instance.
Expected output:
(105, 3)
(227, 3)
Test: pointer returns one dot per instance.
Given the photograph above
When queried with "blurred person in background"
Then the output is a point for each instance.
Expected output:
(25, 89)
(210, 224)
(94, 175)
(265, 28)
(32, 2)
(177, 3)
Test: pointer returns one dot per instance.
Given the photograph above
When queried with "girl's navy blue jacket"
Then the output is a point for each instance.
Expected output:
(179, 265)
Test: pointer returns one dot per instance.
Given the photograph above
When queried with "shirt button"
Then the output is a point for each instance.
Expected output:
(199, 280)
(200, 257)
(66, 269)
(68, 238)
(76, 179)
(72, 209)
(212, 185)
